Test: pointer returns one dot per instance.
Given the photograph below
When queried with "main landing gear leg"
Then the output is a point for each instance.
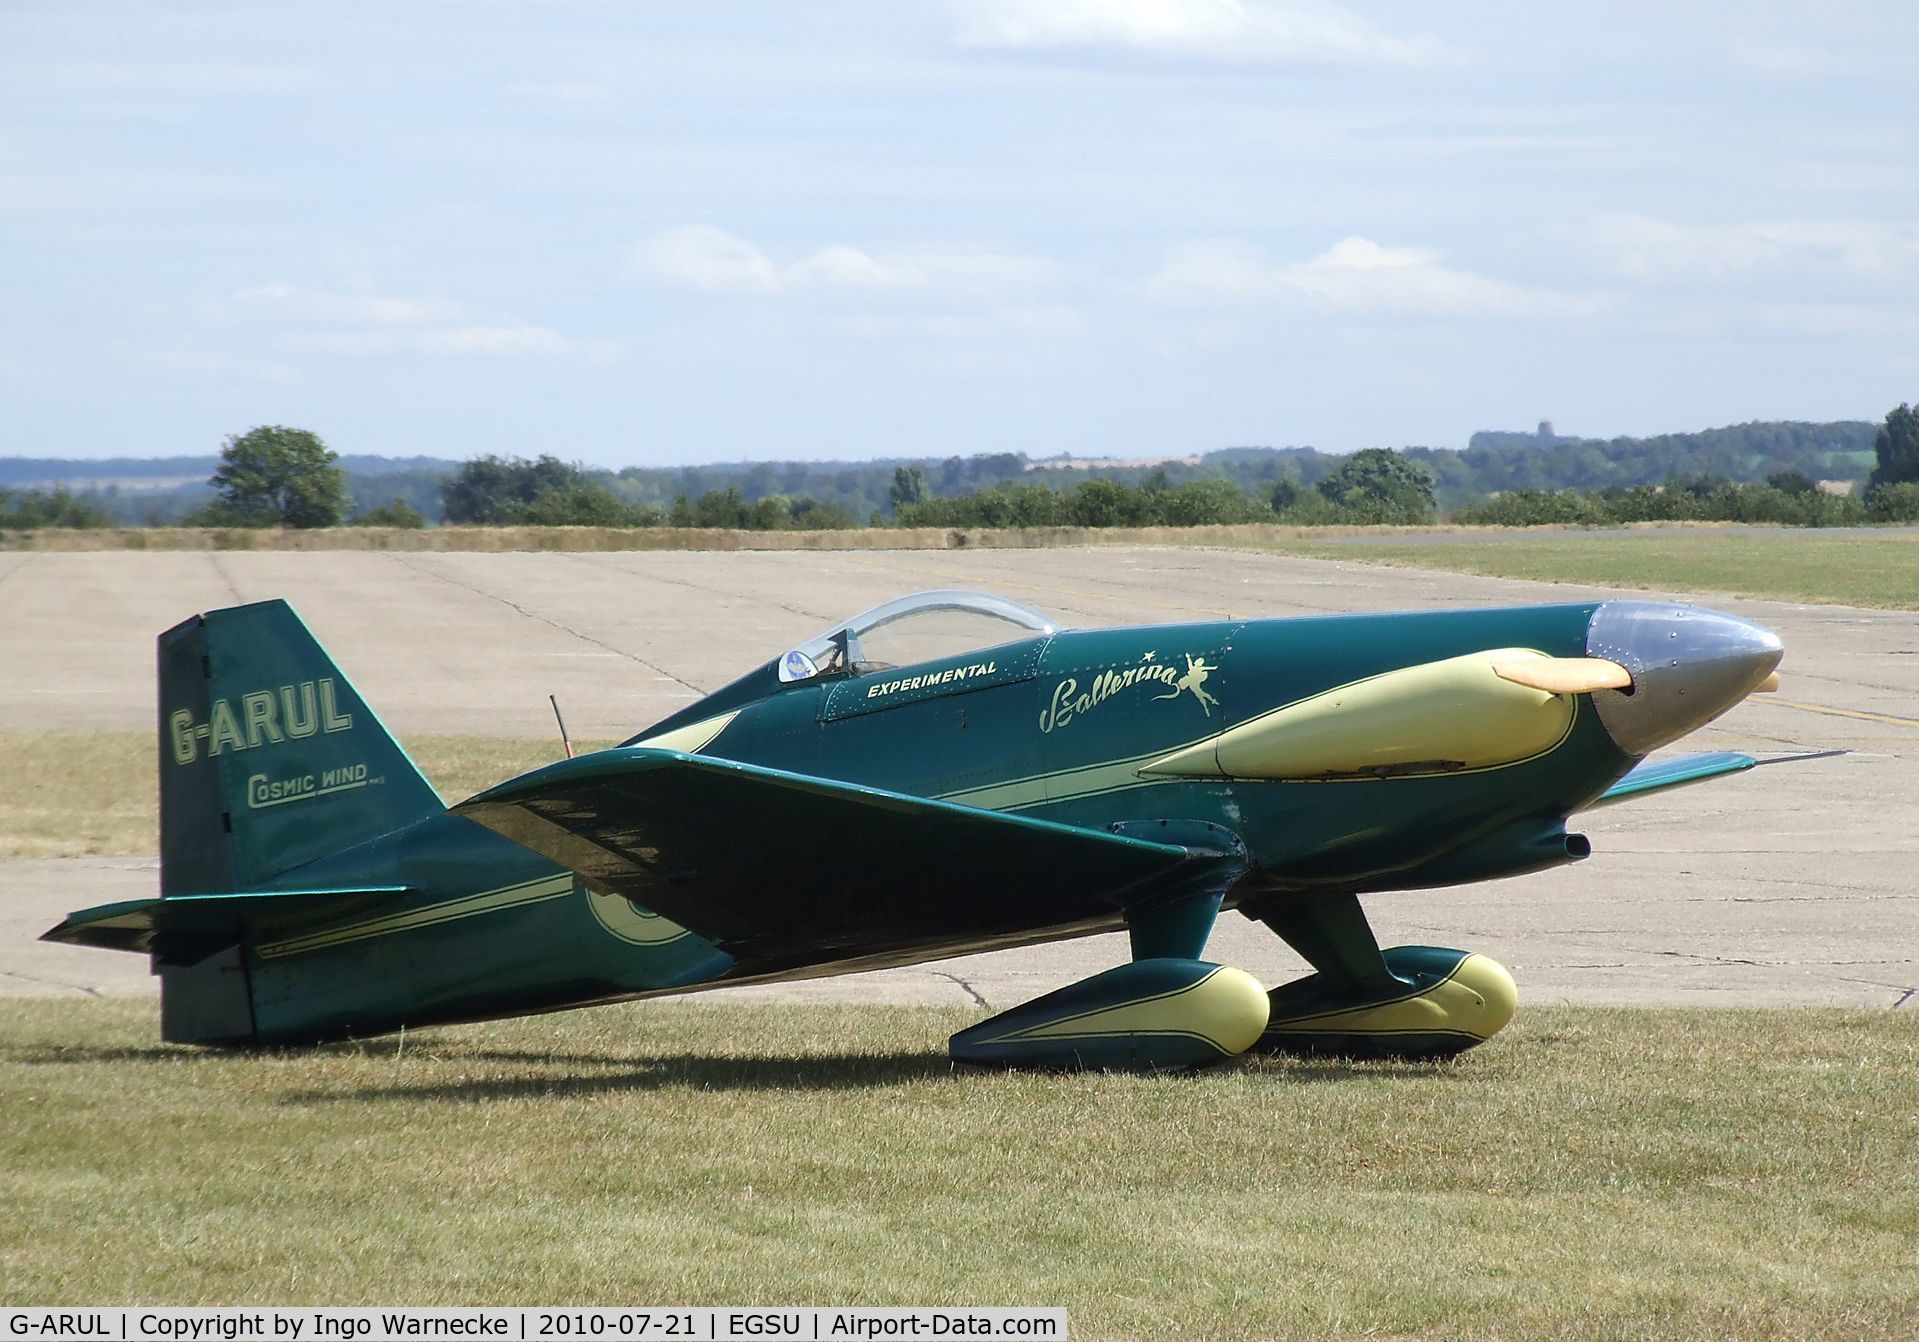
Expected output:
(1168, 1010)
(1404, 1002)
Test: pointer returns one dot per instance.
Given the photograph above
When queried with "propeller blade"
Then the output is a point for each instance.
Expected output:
(1565, 675)
(1770, 685)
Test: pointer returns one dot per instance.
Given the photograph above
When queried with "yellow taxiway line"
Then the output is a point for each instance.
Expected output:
(1887, 718)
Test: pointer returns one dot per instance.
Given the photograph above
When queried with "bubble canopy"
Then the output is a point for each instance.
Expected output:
(913, 629)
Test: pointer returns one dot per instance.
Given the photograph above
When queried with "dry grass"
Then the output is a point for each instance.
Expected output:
(481, 539)
(1852, 568)
(1863, 567)
(1642, 1174)
(494, 539)
(95, 794)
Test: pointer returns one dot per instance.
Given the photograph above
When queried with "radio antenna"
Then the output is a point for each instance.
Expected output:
(565, 740)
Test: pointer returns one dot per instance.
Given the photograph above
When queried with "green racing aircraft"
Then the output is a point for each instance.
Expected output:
(946, 773)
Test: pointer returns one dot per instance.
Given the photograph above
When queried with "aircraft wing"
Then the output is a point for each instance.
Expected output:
(1658, 775)
(784, 866)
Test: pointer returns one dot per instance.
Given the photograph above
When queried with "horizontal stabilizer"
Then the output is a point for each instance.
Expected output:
(796, 868)
(186, 927)
(1658, 775)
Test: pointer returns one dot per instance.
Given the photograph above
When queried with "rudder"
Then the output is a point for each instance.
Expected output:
(269, 758)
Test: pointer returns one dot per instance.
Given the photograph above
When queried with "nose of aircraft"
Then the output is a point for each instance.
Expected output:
(1688, 666)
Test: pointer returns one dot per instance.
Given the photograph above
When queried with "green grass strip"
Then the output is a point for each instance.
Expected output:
(1851, 568)
(1591, 1173)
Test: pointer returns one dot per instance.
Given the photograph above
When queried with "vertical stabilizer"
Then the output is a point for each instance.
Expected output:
(269, 758)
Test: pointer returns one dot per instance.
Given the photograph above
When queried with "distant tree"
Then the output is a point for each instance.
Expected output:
(275, 476)
(1004, 505)
(32, 509)
(994, 467)
(1200, 503)
(417, 487)
(1010, 504)
(1896, 449)
(726, 509)
(1894, 503)
(1792, 482)
(1532, 508)
(1379, 484)
(909, 488)
(497, 491)
(772, 513)
(582, 503)
(1698, 486)
(1108, 503)
(812, 515)
(398, 513)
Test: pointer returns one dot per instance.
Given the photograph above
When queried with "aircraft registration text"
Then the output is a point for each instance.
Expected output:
(263, 717)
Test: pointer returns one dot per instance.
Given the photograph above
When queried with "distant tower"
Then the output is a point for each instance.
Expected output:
(1545, 430)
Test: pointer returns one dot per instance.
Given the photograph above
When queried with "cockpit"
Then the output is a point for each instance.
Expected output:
(912, 629)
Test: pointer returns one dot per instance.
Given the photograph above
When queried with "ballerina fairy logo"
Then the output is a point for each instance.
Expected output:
(1197, 670)
(1071, 699)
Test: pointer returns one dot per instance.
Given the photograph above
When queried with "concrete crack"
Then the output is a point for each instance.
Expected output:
(518, 609)
(594, 561)
(51, 983)
(226, 577)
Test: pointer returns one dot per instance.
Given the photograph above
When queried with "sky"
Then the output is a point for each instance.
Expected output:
(668, 233)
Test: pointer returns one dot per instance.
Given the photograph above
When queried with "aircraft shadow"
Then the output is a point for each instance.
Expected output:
(603, 1073)
(862, 1071)
(44, 1055)
(1348, 1070)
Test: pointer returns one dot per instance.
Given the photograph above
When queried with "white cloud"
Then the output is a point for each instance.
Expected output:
(711, 260)
(564, 93)
(1354, 275)
(350, 308)
(1784, 62)
(848, 267)
(699, 256)
(200, 362)
(1043, 323)
(95, 80)
(1250, 31)
(1646, 248)
(509, 337)
(364, 323)
(1836, 320)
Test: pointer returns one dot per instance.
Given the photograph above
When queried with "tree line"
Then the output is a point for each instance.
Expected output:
(1493, 462)
(279, 476)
